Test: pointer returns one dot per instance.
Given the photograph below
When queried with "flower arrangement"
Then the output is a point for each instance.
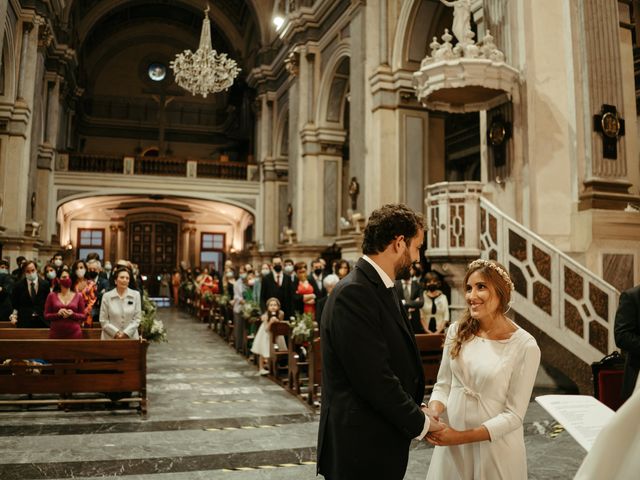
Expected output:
(207, 297)
(151, 329)
(250, 309)
(302, 328)
(222, 299)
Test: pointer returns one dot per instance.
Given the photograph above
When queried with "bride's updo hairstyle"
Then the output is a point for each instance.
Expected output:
(498, 277)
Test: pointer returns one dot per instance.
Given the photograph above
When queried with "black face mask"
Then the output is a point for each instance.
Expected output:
(277, 268)
(432, 287)
(91, 275)
(317, 271)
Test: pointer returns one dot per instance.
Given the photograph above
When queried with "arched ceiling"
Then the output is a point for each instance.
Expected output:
(238, 26)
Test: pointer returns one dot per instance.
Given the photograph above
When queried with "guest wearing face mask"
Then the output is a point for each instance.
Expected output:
(106, 273)
(85, 286)
(57, 262)
(50, 274)
(435, 311)
(94, 268)
(28, 298)
(316, 278)
(64, 309)
(239, 289)
(277, 284)
(257, 286)
(290, 269)
(6, 286)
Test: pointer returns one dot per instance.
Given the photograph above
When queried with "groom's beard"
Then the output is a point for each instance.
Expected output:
(403, 270)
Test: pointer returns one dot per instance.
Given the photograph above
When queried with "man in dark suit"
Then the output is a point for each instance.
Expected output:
(410, 293)
(277, 284)
(6, 285)
(28, 297)
(627, 335)
(315, 279)
(372, 377)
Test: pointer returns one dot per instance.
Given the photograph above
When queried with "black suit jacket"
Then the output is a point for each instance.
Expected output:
(416, 301)
(30, 311)
(319, 290)
(284, 293)
(627, 335)
(6, 286)
(372, 381)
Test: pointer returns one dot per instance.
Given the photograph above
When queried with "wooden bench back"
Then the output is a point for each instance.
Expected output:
(430, 348)
(7, 325)
(73, 366)
(42, 333)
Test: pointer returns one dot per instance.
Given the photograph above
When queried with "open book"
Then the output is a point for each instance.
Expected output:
(582, 416)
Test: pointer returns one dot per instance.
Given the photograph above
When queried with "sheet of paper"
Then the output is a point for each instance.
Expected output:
(582, 416)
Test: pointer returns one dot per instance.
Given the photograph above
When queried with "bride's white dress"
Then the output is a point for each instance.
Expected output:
(489, 383)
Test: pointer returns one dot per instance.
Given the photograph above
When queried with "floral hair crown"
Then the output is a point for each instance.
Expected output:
(486, 263)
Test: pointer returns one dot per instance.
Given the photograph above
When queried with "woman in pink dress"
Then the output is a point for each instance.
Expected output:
(305, 290)
(64, 310)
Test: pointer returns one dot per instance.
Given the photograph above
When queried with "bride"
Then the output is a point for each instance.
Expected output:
(488, 368)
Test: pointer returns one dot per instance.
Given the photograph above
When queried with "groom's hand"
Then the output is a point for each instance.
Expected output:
(435, 425)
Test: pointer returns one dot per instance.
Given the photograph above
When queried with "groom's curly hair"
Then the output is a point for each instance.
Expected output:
(387, 223)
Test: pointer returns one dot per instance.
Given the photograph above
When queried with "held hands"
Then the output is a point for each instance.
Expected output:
(446, 436)
(435, 425)
(13, 318)
(120, 336)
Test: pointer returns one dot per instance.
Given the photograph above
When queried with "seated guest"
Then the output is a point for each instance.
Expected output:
(6, 285)
(435, 312)
(28, 298)
(64, 309)
(121, 309)
(329, 282)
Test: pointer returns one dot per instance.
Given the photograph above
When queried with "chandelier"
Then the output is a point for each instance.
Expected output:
(205, 71)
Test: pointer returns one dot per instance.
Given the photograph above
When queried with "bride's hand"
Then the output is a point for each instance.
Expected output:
(446, 436)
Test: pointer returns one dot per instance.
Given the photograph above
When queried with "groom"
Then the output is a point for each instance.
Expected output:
(372, 377)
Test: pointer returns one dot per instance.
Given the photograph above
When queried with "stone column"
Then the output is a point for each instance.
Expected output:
(192, 247)
(606, 180)
(15, 174)
(269, 177)
(3, 17)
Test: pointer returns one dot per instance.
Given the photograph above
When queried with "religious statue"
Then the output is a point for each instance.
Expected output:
(289, 216)
(354, 190)
(33, 205)
(461, 17)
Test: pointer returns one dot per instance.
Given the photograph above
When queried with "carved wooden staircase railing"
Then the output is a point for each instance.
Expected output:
(555, 293)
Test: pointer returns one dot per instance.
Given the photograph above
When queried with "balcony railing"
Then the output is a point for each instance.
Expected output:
(162, 166)
(558, 295)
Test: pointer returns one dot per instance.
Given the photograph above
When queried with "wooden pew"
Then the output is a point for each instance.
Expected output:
(7, 325)
(430, 348)
(315, 372)
(298, 366)
(73, 366)
(42, 333)
(277, 355)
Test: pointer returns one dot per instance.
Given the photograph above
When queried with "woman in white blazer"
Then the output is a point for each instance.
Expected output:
(121, 309)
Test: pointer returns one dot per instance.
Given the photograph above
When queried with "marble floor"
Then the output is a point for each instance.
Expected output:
(210, 417)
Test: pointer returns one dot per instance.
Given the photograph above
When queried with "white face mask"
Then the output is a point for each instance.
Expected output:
(288, 269)
(32, 277)
(265, 272)
(51, 274)
(80, 272)
(57, 262)
(107, 267)
(3, 270)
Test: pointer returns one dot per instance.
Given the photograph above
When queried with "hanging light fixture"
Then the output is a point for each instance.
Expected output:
(205, 71)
